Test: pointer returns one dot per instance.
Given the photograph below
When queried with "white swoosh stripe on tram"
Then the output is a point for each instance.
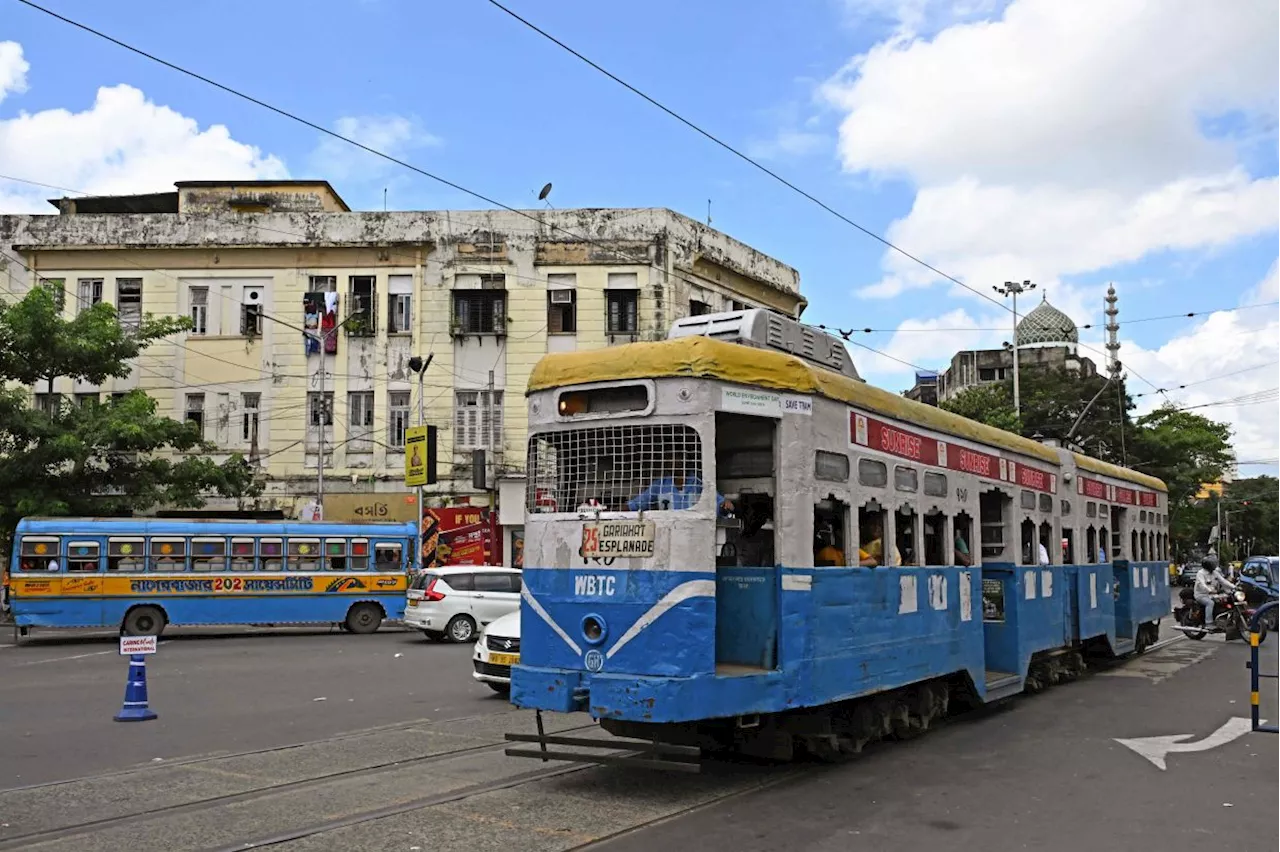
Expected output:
(682, 592)
(537, 607)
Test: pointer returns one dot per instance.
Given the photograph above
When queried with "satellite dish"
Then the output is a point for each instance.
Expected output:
(546, 190)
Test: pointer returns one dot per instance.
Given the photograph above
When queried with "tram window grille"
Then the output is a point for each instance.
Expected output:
(609, 466)
(905, 478)
(1091, 510)
(1028, 500)
(1046, 503)
(872, 473)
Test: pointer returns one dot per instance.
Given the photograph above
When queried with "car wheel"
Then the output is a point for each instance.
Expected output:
(500, 688)
(433, 635)
(461, 628)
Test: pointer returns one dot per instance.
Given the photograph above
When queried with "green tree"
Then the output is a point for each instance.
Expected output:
(98, 458)
(1254, 506)
(990, 403)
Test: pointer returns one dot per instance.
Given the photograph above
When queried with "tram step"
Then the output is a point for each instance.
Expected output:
(637, 753)
(998, 679)
(1124, 646)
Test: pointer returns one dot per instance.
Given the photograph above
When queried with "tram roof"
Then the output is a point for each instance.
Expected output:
(706, 358)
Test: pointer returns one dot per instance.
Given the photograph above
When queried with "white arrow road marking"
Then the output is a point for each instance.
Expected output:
(1155, 749)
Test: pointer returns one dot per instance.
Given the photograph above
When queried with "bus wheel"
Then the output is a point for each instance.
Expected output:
(363, 618)
(143, 621)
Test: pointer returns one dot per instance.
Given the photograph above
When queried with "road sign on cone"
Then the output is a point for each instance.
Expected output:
(135, 707)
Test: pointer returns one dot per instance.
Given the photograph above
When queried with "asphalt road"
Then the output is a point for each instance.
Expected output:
(217, 691)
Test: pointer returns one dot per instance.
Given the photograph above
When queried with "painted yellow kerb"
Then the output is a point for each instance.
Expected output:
(703, 357)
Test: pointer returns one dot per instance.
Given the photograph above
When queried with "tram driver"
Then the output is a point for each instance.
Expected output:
(677, 489)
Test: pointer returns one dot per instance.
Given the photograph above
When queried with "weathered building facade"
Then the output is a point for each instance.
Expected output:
(305, 316)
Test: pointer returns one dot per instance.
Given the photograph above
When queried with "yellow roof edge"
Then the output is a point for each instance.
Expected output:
(705, 357)
(1093, 465)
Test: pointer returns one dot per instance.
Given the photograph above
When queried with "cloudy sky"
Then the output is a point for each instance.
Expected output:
(1074, 144)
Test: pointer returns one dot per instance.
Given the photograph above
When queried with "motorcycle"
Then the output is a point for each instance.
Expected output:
(1230, 617)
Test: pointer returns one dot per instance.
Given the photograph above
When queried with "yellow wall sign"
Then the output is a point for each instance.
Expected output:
(415, 455)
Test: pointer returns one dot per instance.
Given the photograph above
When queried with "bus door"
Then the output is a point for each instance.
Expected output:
(83, 575)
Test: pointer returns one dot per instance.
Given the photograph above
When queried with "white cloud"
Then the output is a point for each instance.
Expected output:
(396, 135)
(123, 143)
(789, 143)
(13, 69)
(1061, 138)
(911, 17)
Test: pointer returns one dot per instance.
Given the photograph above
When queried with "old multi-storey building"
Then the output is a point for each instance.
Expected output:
(305, 316)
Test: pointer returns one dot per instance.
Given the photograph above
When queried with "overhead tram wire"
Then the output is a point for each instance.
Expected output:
(1210, 379)
(430, 175)
(1088, 325)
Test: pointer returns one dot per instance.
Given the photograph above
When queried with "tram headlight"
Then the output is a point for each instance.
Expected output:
(594, 629)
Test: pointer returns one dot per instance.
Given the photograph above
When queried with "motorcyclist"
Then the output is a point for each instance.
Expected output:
(1210, 581)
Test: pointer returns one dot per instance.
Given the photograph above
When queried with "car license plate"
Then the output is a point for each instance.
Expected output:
(504, 659)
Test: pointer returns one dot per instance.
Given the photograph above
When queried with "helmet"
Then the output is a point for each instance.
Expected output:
(1209, 563)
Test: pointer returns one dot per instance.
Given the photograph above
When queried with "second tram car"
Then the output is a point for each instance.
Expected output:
(735, 542)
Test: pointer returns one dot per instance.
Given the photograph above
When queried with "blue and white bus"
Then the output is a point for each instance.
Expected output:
(143, 574)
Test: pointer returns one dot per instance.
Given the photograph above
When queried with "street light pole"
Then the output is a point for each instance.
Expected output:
(1013, 288)
(420, 366)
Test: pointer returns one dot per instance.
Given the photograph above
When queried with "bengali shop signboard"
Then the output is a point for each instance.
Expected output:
(875, 434)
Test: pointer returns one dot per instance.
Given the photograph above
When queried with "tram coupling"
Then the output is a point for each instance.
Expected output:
(613, 751)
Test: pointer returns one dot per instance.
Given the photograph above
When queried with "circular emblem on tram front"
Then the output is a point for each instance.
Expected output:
(593, 660)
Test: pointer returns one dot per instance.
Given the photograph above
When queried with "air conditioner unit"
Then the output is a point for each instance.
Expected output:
(562, 297)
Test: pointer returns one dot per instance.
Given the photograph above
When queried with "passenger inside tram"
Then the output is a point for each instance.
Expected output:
(678, 488)
(963, 557)
(755, 545)
(871, 534)
(935, 525)
(828, 533)
(905, 536)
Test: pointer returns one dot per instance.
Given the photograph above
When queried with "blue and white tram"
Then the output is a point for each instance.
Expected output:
(731, 545)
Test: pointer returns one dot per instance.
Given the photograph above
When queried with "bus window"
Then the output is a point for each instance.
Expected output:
(271, 554)
(904, 521)
(39, 553)
(82, 556)
(304, 554)
(335, 554)
(125, 555)
(168, 554)
(963, 539)
(829, 518)
(208, 554)
(935, 538)
(242, 554)
(359, 560)
(387, 556)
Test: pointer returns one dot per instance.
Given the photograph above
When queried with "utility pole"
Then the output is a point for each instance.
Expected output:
(1013, 288)
(420, 367)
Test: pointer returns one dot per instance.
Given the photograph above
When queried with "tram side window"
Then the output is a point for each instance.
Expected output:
(905, 521)
(335, 553)
(1028, 500)
(168, 554)
(271, 554)
(935, 484)
(905, 478)
(82, 556)
(38, 553)
(387, 556)
(304, 554)
(359, 560)
(1091, 510)
(126, 555)
(1045, 556)
(208, 554)
(1028, 550)
(830, 517)
(1102, 545)
(1068, 546)
(935, 538)
(993, 507)
(833, 467)
(871, 551)
(1090, 545)
(963, 539)
(242, 554)
(1046, 503)
(1133, 545)
(1066, 508)
(872, 473)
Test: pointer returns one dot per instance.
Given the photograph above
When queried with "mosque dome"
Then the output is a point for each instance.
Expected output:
(1047, 326)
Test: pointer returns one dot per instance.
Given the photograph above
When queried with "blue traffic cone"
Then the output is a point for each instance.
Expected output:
(135, 707)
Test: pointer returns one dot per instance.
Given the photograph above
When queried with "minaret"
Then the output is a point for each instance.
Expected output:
(1113, 329)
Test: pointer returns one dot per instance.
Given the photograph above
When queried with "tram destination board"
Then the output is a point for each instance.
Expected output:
(617, 538)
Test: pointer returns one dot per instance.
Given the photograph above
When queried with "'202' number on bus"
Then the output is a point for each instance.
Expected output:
(228, 584)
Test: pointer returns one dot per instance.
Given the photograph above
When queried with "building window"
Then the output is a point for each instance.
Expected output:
(562, 311)
(360, 421)
(129, 302)
(735, 305)
(479, 311)
(89, 293)
(251, 319)
(251, 413)
(84, 400)
(398, 421)
(986, 374)
(477, 420)
(195, 411)
(622, 309)
(323, 284)
(399, 313)
(363, 321)
(199, 310)
(697, 309)
(49, 403)
(319, 411)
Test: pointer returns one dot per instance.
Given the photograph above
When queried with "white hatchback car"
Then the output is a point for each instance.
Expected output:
(497, 650)
(454, 603)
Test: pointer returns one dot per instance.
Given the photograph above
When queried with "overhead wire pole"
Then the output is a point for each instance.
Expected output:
(1013, 288)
